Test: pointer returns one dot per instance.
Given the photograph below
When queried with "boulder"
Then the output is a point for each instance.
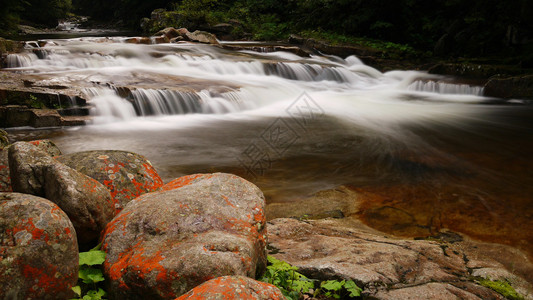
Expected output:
(169, 32)
(199, 227)
(518, 87)
(47, 146)
(233, 287)
(127, 175)
(4, 140)
(385, 268)
(5, 178)
(38, 249)
(87, 202)
(26, 163)
(202, 37)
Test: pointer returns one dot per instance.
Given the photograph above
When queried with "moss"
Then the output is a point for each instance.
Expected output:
(502, 287)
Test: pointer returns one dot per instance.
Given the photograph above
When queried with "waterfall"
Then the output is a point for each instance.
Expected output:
(126, 81)
(445, 88)
(20, 60)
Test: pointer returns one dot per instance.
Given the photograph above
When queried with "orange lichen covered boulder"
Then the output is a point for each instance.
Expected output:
(38, 249)
(233, 287)
(165, 243)
(87, 202)
(127, 175)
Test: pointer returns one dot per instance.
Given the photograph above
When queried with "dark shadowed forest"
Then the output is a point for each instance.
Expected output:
(447, 28)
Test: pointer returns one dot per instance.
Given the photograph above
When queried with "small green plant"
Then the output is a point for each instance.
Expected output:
(291, 283)
(294, 285)
(338, 289)
(35, 103)
(502, 287)
(90, 275)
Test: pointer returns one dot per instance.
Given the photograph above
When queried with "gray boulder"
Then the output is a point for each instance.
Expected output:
(199, 227)
(38, 249)
(26, 163)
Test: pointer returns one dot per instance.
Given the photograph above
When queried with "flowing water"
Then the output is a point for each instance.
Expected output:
(423, 153)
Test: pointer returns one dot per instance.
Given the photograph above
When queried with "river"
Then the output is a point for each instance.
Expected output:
(423, 152)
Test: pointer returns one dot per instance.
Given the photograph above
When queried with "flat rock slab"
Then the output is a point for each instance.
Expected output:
(384, 267)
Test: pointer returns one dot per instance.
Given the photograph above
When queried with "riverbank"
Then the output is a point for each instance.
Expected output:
(131, 195)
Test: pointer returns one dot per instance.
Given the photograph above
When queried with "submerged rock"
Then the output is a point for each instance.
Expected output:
(127, 175)
(200, 227)
(234, 287)
(38, 249)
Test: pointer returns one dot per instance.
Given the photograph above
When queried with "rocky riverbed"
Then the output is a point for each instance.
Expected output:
(162, 240)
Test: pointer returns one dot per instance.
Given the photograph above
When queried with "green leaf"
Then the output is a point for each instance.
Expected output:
(77, 290)
(332, 285)
(90, 275)
(91, 258)
(351, 287)
(302, 286)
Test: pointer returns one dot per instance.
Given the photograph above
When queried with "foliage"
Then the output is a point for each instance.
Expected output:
(502, 287)
(294, 285)
(90, 275)
(33, 102)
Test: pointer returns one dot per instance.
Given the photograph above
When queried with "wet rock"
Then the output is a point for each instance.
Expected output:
(169, 32)
(199, 227)
(385, 268)
(38, 249)
(234, 287)
(127, 175)
(87, 202)
(519, 87)
(26, 164)
(202, 37)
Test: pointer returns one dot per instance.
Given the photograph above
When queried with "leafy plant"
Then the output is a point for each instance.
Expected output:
(294, 285)
(33, 102)
(90, 275)
(291, 283)
(339, 289)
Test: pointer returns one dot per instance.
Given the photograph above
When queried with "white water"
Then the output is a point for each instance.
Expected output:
(197, 108)
(178, 79)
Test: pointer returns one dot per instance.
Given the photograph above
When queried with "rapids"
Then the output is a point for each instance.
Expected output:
(424, 152)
